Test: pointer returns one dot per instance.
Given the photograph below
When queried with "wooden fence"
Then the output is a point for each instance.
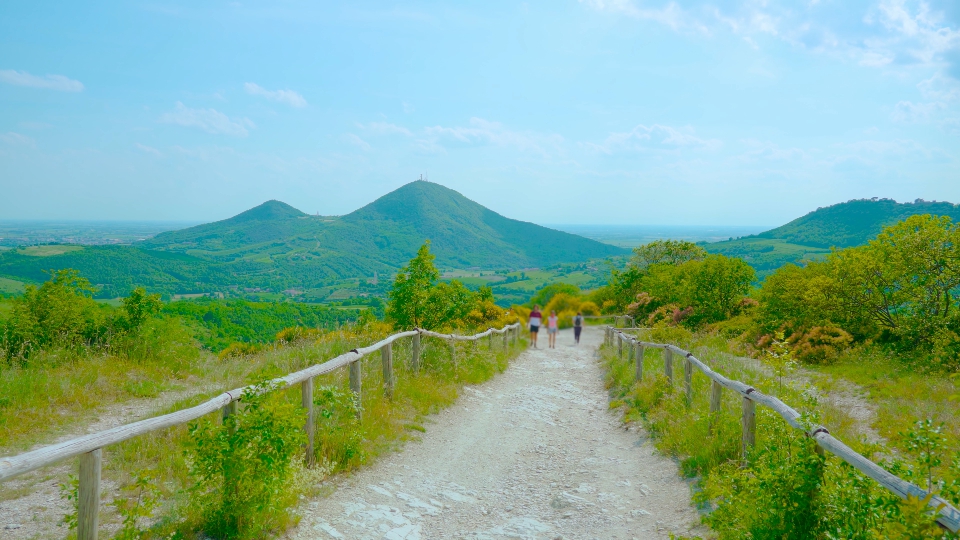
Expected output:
(90, 447)
(949, 517)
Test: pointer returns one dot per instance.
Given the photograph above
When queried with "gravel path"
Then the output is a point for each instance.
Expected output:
(533, 454)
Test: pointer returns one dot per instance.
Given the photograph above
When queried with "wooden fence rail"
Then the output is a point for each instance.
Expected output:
(949, 516)
(89, 447)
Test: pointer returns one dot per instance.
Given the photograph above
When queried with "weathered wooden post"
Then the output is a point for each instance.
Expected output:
(619, 345)
(356, 384)
(415, 359)
(631, 350)
(386, 357)
(490, 340)
(453, 353)
(715, 395)
(88, 503)
(749, 426)
(306, 395)
(639, 359)
(229, 410)
(688, 379)
(668, 365)
(505, 339)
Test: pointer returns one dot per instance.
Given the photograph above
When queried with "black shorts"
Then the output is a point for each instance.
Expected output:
(534, 328)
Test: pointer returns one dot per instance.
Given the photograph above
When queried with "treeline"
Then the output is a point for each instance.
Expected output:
(899, 291)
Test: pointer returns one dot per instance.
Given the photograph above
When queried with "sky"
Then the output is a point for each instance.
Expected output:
(722, 112)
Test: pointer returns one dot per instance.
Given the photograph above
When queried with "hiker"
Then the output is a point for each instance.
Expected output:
(577, 327)
(534, 325)
(552, 329)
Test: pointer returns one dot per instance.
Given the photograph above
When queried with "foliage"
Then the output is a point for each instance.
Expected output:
(220, 323)
(70, 492)
(339, 437)
(779, 357)
(60, 313)
(546, 293)
(668, 252)
(419, 300)
(143, 500)
(241, 466)
(238, 349)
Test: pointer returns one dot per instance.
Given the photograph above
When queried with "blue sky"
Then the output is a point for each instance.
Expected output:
(594, 111)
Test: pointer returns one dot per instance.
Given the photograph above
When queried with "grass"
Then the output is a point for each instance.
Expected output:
(49, 251)
(902, 393)
(65, 399)
(11, 286)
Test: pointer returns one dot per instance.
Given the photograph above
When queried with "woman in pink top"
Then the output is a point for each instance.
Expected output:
(535, 318)
(552, 329)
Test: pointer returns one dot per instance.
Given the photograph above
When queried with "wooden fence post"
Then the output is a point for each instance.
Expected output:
(415, 360)
(688, 379)
(453, 353)
(668, 365)
(504, 340)
(386, 356)
(490, 340)
(229, 410)
(620, 346)
(89, 495)
(639, 358)
(306, 395)
(715, 396)
(631, 351)
(356, 385)
(749, 426)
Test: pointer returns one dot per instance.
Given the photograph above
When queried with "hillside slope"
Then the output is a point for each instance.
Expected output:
(384, 234)
(275, 246)
(842, 225)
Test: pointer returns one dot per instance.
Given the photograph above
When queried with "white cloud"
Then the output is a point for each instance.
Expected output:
(149, 149)
(49, 82)
(289, 97)
(17, 139)
(670, 15)
(209, 120)
(911, 113)
(357, 141)
(386, 128)
(480, 131)
(652, 138)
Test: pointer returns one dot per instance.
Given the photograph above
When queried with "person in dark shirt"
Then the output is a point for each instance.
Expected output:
(577, 327)
(535, 318)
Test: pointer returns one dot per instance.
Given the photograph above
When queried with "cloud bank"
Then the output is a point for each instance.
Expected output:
(48, 82)
(289, 97)
(209, 120)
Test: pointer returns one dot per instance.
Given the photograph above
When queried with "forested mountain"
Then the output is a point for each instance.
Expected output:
(846, 224)
(276, 246)
(855, 222)
(383, 235)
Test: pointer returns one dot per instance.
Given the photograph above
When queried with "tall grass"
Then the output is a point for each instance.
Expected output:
(386, 422)
(784, 488)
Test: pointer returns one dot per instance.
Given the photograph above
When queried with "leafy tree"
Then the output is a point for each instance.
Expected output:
(408, 306)
(139, 306)
(674, 252)
(543, 296)
(716, 286)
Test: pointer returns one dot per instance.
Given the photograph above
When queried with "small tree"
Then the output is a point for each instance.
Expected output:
(409, 304)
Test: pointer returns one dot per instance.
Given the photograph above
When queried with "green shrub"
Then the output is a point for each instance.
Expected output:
(242, 467)
(339, 437)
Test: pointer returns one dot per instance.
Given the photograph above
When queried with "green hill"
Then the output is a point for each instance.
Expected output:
(383, 235)
(847, 224)
(275, 246)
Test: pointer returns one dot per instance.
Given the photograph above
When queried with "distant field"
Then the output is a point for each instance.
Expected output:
(49, 251)
(766, 254)
(10, 286)
(29, 232)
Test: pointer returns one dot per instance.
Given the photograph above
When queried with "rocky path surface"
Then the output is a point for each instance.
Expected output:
(533, 454)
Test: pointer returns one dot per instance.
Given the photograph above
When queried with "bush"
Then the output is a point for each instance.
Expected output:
(237, 349)
(820, 344)
(297, 333)
(241, 467)
(339, 438)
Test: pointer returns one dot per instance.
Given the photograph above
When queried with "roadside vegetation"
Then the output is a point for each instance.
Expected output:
(245, 476)
(883, 317)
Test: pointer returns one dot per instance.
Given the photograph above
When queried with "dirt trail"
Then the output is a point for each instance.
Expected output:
(533, 454)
